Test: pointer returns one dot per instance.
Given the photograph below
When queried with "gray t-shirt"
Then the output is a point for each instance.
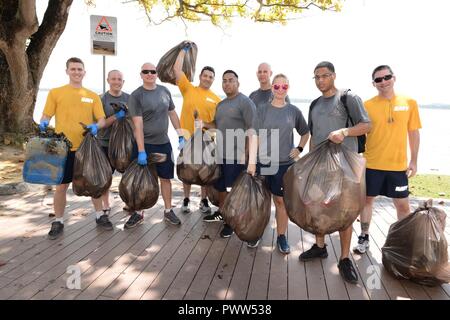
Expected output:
(107, 98)
(260, 97)
(233, 117)
(279, 124)
(153, 106)
(329, 114)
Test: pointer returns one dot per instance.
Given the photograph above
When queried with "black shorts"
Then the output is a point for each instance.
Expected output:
(165, 169)
(68, 168)
(392, 184)
(275, 181)
(105, 151)
(229, 172)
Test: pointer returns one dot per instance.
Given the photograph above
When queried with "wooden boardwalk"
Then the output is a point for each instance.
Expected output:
(161, 261)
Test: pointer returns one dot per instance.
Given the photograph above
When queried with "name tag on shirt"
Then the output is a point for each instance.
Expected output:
(88, 100)
(401, 108)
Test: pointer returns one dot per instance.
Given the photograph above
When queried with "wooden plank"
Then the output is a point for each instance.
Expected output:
(297, 288)
(219, 285)
(162, 282)
(259, 280)
(278, 287)
(317, 289)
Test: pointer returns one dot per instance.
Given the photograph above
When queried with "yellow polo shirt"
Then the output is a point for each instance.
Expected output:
(386, 146)
(196, 98)
(70, 106)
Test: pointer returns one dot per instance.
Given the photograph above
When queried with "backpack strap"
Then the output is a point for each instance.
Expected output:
(343, 98)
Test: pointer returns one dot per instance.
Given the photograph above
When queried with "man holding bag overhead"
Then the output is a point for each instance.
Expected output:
(151, 106)
(72, 104)
(328, 120)
(200, 99)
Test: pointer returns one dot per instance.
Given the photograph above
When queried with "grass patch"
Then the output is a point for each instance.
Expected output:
(430, 185)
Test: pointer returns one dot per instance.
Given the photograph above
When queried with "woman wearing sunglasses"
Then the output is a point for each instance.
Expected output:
(275, 123)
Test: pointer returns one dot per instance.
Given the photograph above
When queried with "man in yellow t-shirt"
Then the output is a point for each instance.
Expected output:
(202, 100)
(72, 104)
(395, 119)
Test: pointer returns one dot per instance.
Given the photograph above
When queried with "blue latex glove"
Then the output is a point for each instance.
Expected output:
(43, 125)
(187, 46)
(142, 158)
(93, 128)
(181, 142)
(120, 114)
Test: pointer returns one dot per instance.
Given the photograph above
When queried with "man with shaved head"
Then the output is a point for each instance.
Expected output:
(151, 106)
(264, 93)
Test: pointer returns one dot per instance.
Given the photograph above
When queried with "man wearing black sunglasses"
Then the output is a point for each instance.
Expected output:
(151, 106)
(395, 119)
(200, 99)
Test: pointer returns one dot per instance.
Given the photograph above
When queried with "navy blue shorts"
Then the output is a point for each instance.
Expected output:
(105, 151)
(228, 175)
(392, 184)
(165, 169)
(68, 169)
(275, 182)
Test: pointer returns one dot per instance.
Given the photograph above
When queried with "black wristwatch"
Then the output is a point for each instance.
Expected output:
(300, 149)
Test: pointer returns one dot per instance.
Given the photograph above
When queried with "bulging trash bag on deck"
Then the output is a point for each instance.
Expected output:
(139, 187)
(165, 64)
(213, 195)
(416, 247)
(196, 163)
(120, 149)
(92, 174)
(325, 190)
(247, 207)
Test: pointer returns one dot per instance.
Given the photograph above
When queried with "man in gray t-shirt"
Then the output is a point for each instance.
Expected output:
(264, 93)
(328, 120)
(150, 107)
(234, 116)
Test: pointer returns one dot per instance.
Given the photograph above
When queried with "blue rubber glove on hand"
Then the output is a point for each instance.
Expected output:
(181, 142)
(120, 114)
(142, 158)
(187, 46)
(93, 128)
(43, 125)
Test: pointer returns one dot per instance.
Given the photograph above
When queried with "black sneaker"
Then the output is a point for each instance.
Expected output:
(171, 217)
(185, 207)
(204, 206)
(215, 217)
(56, 230)
(134, 220)
(226, 231)
(253, 244)
(347, 271)
(104, 222)
(314, 252)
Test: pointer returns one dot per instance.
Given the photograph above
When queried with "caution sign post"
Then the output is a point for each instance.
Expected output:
(104, 35)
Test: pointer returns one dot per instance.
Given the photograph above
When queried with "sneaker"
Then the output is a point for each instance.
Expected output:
(363, 244)
(283, 245)
(314, 252)
(104, 222)
(171, 217)
(347, 271)
(215, 217)
(185, 207)
(226, 231)
(56, 230)
(253, 244)
(134, 220)
(204, 206)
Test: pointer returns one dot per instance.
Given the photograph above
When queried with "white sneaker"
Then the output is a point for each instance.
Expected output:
(185, 207)
(363, 244)
(204, 206)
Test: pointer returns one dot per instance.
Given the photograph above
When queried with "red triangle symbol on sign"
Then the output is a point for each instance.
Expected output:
(103, 26)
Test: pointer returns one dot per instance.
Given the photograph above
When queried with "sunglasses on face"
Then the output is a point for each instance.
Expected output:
(148, 71)
(385, 78)
(280, 86)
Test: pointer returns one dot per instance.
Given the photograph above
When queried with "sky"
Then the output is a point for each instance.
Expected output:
(409, 35)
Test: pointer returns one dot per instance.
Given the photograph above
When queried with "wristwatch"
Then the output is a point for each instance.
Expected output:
(300, 149)
(345, 132)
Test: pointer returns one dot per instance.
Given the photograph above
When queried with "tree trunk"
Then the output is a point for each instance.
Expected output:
(25, 47)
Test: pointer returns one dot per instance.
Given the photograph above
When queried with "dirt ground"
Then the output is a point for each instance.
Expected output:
(11, 163)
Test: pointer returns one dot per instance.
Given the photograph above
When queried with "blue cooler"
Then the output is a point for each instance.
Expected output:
(45, 160)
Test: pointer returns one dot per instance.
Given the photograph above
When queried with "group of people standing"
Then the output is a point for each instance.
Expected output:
(388, 119)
